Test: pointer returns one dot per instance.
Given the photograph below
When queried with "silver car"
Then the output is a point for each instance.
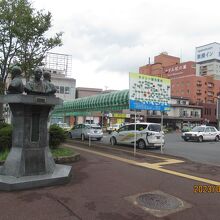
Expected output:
(84, 131)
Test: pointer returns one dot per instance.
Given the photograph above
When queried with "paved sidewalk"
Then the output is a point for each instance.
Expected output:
(100, 188)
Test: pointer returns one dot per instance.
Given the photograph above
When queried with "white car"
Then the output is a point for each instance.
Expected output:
(147, 134)
(113, 127)
(86, 131)
(65, 126)
(202, 133)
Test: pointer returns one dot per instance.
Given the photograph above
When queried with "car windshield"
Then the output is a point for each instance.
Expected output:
(198, 129)
(93, 126)
(154, 127)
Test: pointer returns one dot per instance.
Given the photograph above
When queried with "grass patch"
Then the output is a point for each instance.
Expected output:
(62, 152)
(59, 152)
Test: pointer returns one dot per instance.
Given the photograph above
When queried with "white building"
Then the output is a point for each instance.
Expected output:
(208, 60)
(66, 86)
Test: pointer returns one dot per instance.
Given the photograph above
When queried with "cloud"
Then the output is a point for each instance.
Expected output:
(112, 38)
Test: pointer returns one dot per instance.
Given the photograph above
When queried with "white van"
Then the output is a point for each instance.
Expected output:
(148, 135)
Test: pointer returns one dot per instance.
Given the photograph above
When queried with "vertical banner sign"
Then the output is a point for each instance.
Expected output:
(149, 92)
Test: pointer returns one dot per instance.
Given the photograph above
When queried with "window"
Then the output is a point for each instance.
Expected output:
(141, 127)
(58, 89)
(124, 128)
(154, 127)
(62, 89)
(212, 129)
(67, 90)
(76, 127)
(130, 127)
(185, 113)
(207, 130)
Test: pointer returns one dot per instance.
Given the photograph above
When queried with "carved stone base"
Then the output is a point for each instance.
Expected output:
(61, 175)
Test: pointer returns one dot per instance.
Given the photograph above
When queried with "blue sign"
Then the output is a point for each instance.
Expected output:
(148, 106)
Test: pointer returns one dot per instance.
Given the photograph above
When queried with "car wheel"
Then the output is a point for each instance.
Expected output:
(113, 141)
(70, 135)
(141, 144)
(200, 139)
(217, 138)
(83, 137)
(185, 139)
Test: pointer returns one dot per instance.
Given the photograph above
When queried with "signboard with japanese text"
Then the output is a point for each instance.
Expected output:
(149, 92)
(208, 52)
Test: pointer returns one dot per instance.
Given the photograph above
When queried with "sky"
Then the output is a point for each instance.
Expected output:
(109, 39)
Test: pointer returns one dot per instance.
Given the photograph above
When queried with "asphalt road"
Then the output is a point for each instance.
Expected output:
(205, 152)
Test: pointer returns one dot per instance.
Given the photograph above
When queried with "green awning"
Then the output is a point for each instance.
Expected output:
(104, 102)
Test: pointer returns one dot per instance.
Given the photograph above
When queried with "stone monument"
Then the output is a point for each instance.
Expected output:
(30, 163)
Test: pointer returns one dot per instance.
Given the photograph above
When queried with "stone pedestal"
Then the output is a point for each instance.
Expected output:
(30, 162)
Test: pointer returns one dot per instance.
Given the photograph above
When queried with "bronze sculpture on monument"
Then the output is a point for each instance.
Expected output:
(30, 163)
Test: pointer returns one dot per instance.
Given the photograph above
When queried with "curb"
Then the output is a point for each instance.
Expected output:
(60, 160)
(67, 159)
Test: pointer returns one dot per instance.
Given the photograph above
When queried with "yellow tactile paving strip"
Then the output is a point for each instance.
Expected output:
(154, 166)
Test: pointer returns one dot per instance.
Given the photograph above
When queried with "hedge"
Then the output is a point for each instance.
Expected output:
(57, 136)
(5, 136)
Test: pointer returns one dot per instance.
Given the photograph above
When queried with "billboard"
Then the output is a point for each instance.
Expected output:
(208, 52)
(149, 92)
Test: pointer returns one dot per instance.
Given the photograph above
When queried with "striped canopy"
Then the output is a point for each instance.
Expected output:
(104, 102)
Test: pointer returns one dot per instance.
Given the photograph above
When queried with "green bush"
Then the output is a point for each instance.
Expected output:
(5, 136)
(3, 125)
(57, 136)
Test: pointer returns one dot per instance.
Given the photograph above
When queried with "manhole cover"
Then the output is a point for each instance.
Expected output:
(158, 202)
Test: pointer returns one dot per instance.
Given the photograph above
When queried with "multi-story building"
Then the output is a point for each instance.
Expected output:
(66, 86)
(82, 92)
(180, 112)
(208, 60)
(199, 89)
(60, 67)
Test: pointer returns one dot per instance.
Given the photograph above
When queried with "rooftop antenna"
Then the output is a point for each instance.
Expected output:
(148, 60)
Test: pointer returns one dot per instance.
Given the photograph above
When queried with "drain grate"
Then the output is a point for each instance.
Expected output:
(158, 202)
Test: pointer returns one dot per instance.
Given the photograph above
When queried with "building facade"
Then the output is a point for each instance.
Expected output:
(208, 60)
(200, 89)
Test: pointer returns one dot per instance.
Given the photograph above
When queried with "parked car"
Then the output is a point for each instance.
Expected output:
(147, 134)
(113, 127)
(202, 133)
(84, 131)
(65, 126)
(187, 127)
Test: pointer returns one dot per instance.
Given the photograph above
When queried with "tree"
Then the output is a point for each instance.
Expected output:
(32, 41)
(23, 37)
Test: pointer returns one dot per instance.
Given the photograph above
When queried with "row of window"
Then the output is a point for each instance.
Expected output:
(199, 83)
(192, 113)
(208, 111)
(63, 89)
